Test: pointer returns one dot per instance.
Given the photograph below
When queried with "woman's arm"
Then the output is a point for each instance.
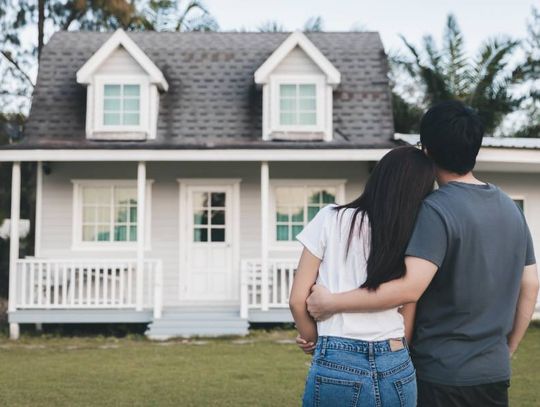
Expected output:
(305, 277)
(409, 312)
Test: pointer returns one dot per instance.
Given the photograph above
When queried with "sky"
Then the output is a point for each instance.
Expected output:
(478, 19)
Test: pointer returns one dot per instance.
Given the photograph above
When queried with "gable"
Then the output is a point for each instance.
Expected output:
(297, 62)
(120, 62)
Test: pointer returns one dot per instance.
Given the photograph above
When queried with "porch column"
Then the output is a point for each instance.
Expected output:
(39, 200)
(141, 197)
(14, 243)
(265, 185)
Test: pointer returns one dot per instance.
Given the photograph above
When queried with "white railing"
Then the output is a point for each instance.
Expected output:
(87, 284)
(278, 287)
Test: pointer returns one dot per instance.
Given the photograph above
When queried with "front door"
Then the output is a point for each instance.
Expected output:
(209, 237)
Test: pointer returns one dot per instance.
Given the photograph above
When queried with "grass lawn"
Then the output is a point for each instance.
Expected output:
(264, 369)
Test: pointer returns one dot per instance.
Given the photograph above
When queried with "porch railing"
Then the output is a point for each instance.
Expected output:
(87, 284)
(279, 284)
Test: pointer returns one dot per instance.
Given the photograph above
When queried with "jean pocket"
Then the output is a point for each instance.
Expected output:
(407, 390)
(336, 392)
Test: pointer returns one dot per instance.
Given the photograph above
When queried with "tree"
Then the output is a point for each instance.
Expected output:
(529, 72)
(18, 62)
(484, 82)
(314, 24)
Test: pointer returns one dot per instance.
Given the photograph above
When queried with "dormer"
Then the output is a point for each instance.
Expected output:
(297, 83)
(123, 86)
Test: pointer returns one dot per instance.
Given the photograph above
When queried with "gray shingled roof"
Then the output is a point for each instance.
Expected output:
(213, 100)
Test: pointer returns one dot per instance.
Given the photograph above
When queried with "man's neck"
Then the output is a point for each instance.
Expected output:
(444, 177)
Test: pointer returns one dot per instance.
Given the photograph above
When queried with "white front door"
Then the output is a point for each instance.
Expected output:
(209, 242)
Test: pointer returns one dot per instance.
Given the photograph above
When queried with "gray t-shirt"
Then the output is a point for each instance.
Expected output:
(479, 239)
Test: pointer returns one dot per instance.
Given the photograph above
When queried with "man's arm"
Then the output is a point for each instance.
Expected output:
(528, 296)
(322, 304)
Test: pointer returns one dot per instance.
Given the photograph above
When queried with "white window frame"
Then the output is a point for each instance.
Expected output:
(320, 94)
(520, 198)
(144, 110)
(80, 245)
(294, 245)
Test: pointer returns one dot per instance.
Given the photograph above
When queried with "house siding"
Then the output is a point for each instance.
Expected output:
(57, 215)
(120, 63)
(297, 62)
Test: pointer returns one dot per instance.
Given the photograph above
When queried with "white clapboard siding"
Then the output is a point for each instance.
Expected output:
(297, 62)
(120, 63)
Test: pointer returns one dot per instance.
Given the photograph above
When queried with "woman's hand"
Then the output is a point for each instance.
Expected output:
(320, 303)
(305, 346)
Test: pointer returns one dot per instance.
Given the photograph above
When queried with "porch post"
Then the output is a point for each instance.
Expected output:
(141, 196)
(39, 200)
(265, 185)
(14, 243)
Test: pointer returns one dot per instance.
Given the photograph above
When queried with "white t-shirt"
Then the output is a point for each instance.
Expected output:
(326, 237)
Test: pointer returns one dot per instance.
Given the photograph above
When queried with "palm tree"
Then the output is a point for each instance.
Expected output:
(483, 82)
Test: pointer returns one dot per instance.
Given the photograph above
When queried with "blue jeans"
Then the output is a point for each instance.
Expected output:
(349, 372)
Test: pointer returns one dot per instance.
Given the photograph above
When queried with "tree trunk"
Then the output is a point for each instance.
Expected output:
(41, 24)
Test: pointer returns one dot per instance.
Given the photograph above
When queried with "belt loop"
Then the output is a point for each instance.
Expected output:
(370, 350)
(323, 346)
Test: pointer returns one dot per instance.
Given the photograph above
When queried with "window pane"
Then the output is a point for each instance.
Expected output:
(287, 90)
(200, 235)
(120, 233)
(103, 234)
(88, 234)
(328, 197)
(124, 196)
(312, 211)
(287, 118)
(133, 233)
(218, 235)
(296, 229)
(286, 196)
(103, 214)
(96, 195)
(112, 90)
(131, 119)
(297, 214)
(306, 90)
(89, 214)
(131, 105)
(200, 199)
(121, 214)
(282, 215)
(307, 104)
(282, 233)
(111, 104)
(111, 119)
(131, 90)
(307, 118)
(314, 197)
(200, 217)
(218, 218)
(218, 199)
(287, 104)
(133, 214)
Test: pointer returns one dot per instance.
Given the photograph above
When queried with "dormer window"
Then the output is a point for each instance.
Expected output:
(121, 105)
(122, 94)
(298, 104)
(297, 84)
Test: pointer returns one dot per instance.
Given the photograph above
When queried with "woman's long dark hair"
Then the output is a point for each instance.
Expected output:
(391, 201)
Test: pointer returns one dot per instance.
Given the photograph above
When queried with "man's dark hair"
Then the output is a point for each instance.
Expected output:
(452, 134)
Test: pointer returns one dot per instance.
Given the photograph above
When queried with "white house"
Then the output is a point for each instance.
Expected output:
(174, 170)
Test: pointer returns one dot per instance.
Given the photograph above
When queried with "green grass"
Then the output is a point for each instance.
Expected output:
(264, 369)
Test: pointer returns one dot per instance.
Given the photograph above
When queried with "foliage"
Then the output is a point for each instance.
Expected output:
(483, 82)
(406, 115)
(314, 24)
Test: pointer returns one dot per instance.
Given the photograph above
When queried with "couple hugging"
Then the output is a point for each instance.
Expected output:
(445, 277)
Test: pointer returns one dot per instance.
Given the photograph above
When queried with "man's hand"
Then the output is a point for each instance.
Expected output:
(319, 303)
(307, 347)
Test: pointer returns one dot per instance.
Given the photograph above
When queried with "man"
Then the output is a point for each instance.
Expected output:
(471, 267)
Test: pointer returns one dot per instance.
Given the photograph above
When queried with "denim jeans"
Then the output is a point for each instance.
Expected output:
(349, 372)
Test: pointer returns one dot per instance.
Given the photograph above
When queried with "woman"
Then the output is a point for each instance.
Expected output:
(362, 358)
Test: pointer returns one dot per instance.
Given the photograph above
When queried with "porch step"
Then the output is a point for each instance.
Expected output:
(197, 321)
